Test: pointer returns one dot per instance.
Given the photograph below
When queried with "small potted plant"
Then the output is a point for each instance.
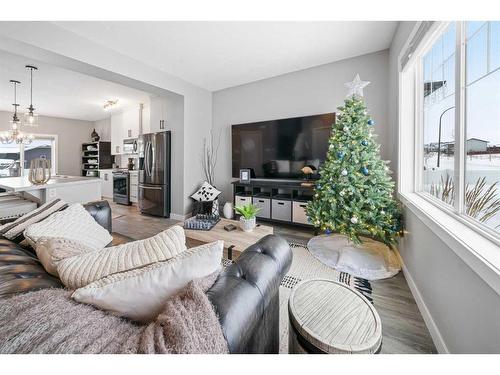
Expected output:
(247, 218)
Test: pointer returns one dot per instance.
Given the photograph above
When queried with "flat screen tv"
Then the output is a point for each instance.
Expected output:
(281, 148)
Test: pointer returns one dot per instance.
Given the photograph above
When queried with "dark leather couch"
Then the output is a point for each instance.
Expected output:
(245, 295)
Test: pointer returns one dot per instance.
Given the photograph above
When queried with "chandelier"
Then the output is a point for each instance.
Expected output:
(14, 134)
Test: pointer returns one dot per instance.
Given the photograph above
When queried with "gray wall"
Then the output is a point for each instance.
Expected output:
(306, 92)
(103, 128)
(71, 134)
(461, 310)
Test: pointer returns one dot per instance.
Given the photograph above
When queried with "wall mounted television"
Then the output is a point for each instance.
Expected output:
(279, 149)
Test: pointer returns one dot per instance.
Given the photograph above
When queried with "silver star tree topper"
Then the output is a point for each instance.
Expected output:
(356, 86)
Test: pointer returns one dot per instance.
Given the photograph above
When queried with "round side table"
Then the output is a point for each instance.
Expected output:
(329, 317)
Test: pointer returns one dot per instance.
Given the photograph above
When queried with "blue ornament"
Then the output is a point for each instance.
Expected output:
(340, 155)
(364, 143)
(328, 231)
(371, 122)
(364, 170)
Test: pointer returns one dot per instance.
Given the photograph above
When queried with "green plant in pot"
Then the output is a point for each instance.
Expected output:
(247, 218)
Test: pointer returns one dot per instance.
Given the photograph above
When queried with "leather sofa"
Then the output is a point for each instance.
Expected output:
(245, 296)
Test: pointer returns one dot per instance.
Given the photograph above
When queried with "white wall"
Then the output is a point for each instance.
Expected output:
(52, 44)
(460, 309)
(306, 92)
(71, 134)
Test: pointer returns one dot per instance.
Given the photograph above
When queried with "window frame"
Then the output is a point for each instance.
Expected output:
(54, 152)
(458, 209)
(474, 244)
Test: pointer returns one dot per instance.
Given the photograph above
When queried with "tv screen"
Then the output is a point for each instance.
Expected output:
(281, 148)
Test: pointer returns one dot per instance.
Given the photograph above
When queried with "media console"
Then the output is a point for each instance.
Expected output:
(280, 201)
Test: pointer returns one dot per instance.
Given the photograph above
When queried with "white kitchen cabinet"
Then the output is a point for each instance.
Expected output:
(130, 119)
(106, 176)
(124, 124)
(134, 186)
(157, 115)
(117, 134)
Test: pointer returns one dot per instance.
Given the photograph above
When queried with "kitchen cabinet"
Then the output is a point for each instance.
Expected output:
(157, 115)
(134, 186)
(106, 176)
(124, 124)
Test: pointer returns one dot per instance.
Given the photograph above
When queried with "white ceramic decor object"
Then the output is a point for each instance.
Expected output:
(228, 210)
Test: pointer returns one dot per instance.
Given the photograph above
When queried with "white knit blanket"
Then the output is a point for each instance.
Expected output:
(78, 271)
(74, 223)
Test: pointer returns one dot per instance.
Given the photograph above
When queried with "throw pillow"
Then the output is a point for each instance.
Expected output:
(139, 294)
(52, 250)
(74, 223)
(14, 230)
(206, 193)
(83, 269)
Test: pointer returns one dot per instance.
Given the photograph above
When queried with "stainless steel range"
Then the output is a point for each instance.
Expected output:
(121, 187)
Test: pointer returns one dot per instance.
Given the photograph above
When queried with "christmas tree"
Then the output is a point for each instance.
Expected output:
(354, 195)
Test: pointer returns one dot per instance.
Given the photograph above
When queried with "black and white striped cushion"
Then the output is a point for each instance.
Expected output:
(14, 230)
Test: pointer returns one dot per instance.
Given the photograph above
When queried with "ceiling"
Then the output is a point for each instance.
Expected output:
(217, 55)
(59, 92)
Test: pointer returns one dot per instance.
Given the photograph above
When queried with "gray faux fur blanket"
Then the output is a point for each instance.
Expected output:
(49, 321)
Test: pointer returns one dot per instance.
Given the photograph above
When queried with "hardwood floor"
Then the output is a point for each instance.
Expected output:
(403, 328)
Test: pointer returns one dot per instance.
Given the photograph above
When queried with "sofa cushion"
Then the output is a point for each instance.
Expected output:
(78, 271)
(74, 223)
(52, 250)
(139, 294)
(14, 230)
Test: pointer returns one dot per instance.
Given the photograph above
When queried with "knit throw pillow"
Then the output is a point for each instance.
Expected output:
(206, 193)
(14, 230)
(80, 270)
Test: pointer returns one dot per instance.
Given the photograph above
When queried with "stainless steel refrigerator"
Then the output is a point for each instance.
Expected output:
(154, 174)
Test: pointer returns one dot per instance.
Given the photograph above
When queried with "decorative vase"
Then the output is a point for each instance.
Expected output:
(40, 171)
(228, 210)
(94, 136)
(247, 225)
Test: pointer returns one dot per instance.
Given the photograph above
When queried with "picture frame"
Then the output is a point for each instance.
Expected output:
(245, 175)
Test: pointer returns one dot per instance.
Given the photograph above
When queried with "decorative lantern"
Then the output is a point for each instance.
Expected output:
(40, 171)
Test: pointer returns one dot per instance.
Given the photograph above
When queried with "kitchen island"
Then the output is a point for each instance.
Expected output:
(71, 189)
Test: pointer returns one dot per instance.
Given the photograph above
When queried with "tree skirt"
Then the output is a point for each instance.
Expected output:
(371, 260)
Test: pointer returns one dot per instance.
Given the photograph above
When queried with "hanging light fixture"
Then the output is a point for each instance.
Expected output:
(30, 117)
(15, 134)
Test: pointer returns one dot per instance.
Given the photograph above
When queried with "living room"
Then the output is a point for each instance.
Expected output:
(293, 186)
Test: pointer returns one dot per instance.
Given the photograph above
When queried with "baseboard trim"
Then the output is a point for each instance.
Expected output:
(426, 315)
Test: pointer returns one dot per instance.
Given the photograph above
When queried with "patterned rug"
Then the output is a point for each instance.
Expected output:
(305, 266)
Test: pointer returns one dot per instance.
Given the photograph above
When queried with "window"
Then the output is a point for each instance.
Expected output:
(460, 129)
(438, 118)
(41, 147)
(10, 160)
(13, 156)
(482, 124)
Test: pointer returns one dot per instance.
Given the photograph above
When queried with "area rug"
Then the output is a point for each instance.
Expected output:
(305, 266)
(371, 260)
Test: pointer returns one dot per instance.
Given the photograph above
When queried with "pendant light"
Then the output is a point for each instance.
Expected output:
(31, 118)
(15, 123)
(15, 134)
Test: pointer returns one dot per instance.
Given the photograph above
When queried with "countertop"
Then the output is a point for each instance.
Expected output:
(15, 184)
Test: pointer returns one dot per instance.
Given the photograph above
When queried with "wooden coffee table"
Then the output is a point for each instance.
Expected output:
(234, 242)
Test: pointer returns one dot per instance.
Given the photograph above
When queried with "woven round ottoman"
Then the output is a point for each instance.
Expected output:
(329, 317)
